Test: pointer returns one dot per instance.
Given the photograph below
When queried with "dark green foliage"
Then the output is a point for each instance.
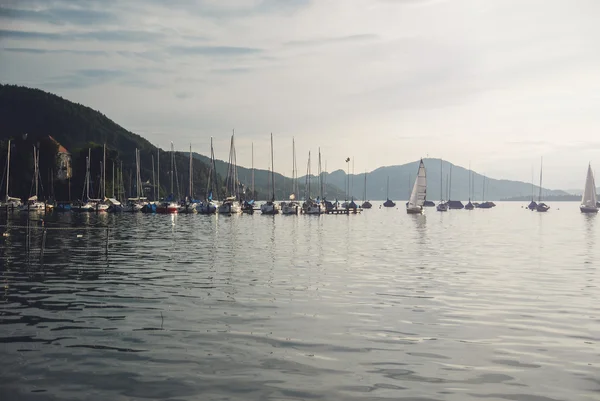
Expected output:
(39, 114)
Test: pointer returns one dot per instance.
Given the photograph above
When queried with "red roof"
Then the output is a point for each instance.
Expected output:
(61, 149)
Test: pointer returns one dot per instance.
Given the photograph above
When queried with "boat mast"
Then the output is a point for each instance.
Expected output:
(441, 180)
(541, 165)
(35, 168)
(157, 173)
(294, 172)
(469, 181)
(272, 171)
(365, 189)
(87, 175)
(450, 184)
(191, 174)
(153, 181)
(308, 177)
(104, 171)
(320, 176)
(172, 169)
(8, 170)
(252, 168)
(113, 181)
(387, 188)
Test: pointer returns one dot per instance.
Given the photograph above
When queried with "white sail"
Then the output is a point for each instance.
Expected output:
(417, 197)
(589, 193)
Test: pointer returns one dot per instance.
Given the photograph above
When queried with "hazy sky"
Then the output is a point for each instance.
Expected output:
(496, 82)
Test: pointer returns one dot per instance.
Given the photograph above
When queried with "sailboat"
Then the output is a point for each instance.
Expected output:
(484, 204)
(292, 207)
(366, 204)
(137, 203)
(33, 205)
(469, 206)
(189, 203)
(168, 206)
(419, 191)
(231, 204)
(248, 205)
(388, 202)
(9, 201)
(541, 207)
(310, 206)
(101, 204)
(442, 206)
(589, 199)
(208, 205)
(270, 207)
(532, 205)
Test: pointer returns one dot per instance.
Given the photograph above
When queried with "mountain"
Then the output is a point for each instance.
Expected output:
(31, 116)
(283, 185)
(402, 179)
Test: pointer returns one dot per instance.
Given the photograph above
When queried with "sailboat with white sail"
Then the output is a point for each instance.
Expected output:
(541, 206)
(419, 192)
(231, 203)
(208, 205)
(10, 202)
(33, 204)
(292, 207)
(442, 206)
(589, 198)
(270, 207)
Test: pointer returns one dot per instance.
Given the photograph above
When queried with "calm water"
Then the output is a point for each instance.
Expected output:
(499, 304)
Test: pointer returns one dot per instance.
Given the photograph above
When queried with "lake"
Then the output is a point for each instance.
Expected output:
(499, 304)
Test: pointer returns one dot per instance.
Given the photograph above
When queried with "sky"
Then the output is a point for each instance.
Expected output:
(496, 83)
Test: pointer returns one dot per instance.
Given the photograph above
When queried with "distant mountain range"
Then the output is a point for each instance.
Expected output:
(401, 179)
(30, 116)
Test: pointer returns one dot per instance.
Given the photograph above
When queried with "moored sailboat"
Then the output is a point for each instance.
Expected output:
(270, 207)
(168, 205)
(231, 204)
(366, 204)
(419, 191)
(541, 206)
(10, 203)
(33, 204)
(589, 198)
(208, 205)
(470, 206)
(292, 207)
(442, 206)
(388, 202)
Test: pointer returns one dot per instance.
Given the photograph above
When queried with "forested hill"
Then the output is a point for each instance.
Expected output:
(29, 116)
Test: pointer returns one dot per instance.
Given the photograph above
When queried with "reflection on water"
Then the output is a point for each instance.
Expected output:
(494, 304)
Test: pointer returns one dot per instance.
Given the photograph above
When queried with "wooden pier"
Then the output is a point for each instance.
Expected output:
(343, 211)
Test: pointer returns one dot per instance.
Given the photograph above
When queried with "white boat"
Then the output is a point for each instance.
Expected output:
(310, 206)
(292, 207)
(589, 198)
(208, 205)
(134, 205)
(270, 207)
(33, 204)
(231, 204)
(419, 191)
(9, 201)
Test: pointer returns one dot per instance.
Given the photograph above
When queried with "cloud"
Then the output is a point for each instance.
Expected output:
(238, 70)
(333, 40)
(28, 50)
(96, 35)
(76, 16)
(224, 51)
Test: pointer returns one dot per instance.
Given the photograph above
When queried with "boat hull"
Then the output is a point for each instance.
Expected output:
(588, 209)
(206, 208)
(414, 210)
(289, 209)
(442, 207)
(229, 208)
(170, 208)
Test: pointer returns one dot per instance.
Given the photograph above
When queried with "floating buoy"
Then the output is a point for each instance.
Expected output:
(79, 235)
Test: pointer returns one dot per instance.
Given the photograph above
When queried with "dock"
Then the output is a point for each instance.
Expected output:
(340, 210)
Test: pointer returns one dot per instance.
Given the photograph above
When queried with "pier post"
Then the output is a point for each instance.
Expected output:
(43, 245)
